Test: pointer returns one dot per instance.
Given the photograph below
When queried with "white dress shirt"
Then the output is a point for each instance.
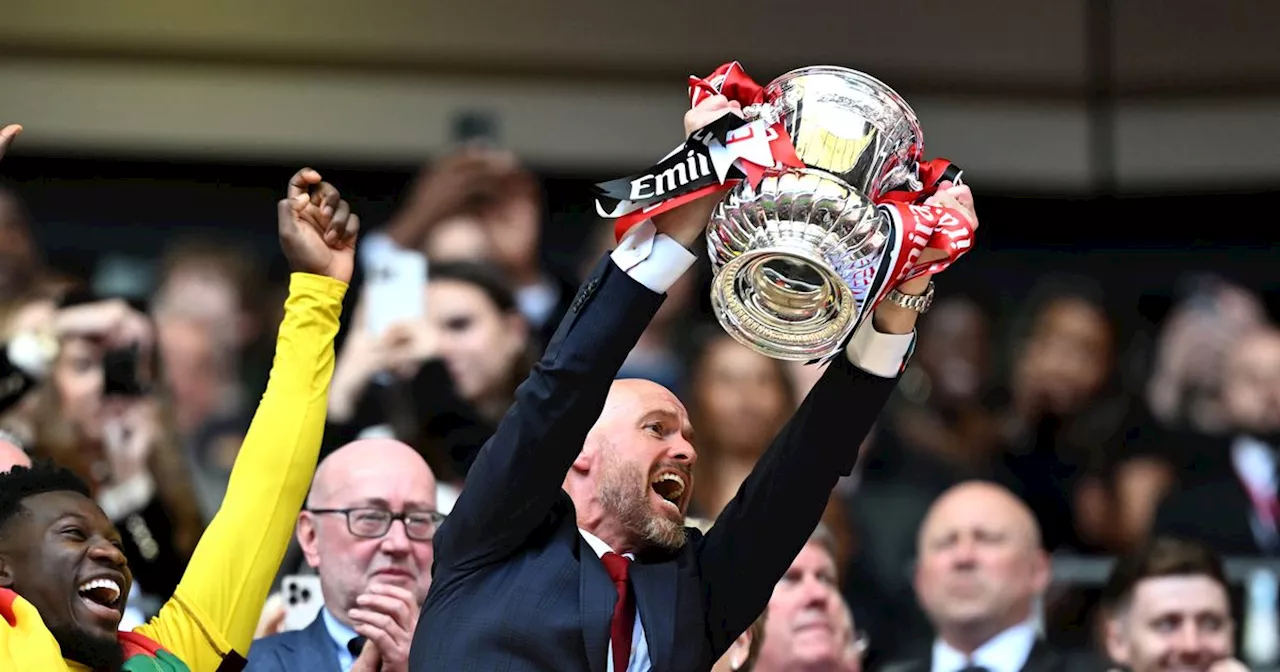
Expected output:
(1254, 462)
(341, 635)
(1006, 652)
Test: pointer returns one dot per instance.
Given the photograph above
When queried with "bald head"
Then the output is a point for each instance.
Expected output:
(632, 481)
(980, 563)
(629, 396)
(372, 459)
(976, 500)
(12, 456)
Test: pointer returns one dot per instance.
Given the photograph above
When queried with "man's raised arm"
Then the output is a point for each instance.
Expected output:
(783, 499)
(517, 476)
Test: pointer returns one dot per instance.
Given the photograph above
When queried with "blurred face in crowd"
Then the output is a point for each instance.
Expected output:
(202, 292)
(632, 481)
(374, 476)
(478, 342)
(459, 238)
(63, 555)
(980, 566)
(1251, 390)
(513, 225)
(1173, 623)
(200, 327)
(78, 379)
(807, 625)
(1067, 357)
(17, 249)
(742, 397)
(194, 366)
(953, 350)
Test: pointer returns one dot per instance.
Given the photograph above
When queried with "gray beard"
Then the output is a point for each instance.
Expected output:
(624, 495)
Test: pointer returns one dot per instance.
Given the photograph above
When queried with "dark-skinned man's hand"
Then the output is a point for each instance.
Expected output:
(317, 228)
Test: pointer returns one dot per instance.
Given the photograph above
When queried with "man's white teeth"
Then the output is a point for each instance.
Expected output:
(669, 486)
(105, 591)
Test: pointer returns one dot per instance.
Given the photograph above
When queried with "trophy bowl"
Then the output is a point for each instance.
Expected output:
(797, 259)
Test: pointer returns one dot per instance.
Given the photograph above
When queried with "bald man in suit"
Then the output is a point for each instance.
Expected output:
(367, 530)
(980, 570)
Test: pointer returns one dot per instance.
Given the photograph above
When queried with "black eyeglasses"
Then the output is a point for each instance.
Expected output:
(370, 523)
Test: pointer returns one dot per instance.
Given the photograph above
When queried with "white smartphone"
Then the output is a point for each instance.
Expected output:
(395, 289)
(302, 600)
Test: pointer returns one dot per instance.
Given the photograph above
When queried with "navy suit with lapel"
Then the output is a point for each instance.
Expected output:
(516, 587)
(310, 649)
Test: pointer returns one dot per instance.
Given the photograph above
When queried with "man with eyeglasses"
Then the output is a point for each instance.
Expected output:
(367, 531)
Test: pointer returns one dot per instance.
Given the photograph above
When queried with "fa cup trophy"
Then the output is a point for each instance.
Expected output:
(802, 249)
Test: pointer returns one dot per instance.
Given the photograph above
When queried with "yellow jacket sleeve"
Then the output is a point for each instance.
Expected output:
(217, 604)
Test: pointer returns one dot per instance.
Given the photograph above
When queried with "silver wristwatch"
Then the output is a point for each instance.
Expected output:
(920, 303)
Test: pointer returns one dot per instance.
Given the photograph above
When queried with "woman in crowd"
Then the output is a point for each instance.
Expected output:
(1067, 422)
(118, 440)
(739, 400)
(441, 384)
(97, 416)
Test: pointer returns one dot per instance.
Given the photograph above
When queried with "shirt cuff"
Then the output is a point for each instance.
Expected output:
(883, 355)
(652, 259)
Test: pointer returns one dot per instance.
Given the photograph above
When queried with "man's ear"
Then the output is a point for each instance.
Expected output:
(739, 651)
(307, 539)
(1117, 641)
(582, 463)
(586, 458)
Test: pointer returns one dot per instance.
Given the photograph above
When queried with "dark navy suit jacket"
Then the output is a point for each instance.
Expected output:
(310, 649)
(517, 588)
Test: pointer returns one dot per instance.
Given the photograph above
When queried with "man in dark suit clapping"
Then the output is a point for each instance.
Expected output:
(567, 549)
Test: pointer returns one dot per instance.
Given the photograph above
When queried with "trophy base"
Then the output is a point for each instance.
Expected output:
(784, 302)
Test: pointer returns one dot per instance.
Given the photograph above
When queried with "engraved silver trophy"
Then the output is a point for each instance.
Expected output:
(799, 258)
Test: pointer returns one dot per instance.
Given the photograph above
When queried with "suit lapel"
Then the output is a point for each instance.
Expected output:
(317, 653)
(655, 589)
(1041, 659)
(598, 599)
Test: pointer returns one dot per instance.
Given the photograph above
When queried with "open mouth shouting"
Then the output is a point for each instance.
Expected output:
(100, 600)
(671, 486)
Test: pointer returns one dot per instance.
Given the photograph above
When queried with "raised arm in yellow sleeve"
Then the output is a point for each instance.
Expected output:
(216, 606)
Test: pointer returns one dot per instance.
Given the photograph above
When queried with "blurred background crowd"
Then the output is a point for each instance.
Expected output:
(1109, 353)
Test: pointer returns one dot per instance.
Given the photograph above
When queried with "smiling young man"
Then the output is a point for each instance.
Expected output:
(1170, 610)
(63, 578)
